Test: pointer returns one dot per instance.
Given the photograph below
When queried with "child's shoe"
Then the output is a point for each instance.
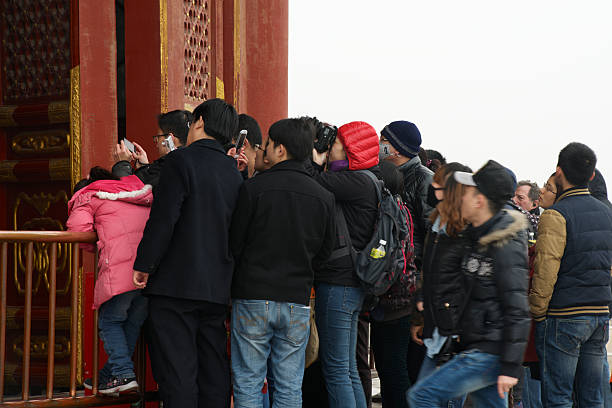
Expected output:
(116, 385)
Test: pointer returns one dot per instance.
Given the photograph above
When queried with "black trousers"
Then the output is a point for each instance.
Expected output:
(363, 354)
(188, 351)
(390, 343)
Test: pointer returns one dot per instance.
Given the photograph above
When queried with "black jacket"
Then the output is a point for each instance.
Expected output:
(148, 173)
(496, 319)
(185, 245)
(283, 224)
(356, 194)
(443, 283)
(417, 179)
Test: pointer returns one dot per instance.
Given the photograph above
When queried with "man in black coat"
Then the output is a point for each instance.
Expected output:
(495, 319)
(283, 224)
(184, 261)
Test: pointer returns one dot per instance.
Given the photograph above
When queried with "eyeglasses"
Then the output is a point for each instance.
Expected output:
(162, 135)
(549, 188)
(257, 146)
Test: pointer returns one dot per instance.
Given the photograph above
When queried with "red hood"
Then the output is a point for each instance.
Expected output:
(360, 142)
(129, 189)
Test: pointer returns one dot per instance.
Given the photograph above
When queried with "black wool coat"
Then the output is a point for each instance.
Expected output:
(185, 245)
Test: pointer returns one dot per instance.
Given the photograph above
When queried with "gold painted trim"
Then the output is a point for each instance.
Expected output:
(7, 171)
(40, 142)
(6, 115)
(75, 125)
(59, 169)
(220, 88)
(163, 51)
(189, 107)
(59, 112)
(236, 52)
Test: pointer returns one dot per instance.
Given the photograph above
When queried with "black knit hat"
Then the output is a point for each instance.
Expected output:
(404, 136)
(492, 180)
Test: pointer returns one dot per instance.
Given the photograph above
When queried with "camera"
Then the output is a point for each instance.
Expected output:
(325, 138)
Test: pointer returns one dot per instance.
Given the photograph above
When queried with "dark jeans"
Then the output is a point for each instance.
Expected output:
(119, 320)
(390, 344)
(572, 348)
(189, 353)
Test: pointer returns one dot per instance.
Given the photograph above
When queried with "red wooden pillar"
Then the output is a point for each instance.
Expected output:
(264, 63)
(94, 62)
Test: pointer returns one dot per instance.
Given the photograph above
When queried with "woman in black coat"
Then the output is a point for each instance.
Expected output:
(442, 291)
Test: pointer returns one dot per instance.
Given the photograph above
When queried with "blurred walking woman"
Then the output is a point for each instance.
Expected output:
(442, 287)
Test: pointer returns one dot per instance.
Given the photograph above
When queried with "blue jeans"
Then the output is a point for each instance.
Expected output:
(532, 396)
(337, 313)
(572, 348)
(429, 367)
(119, 321)
(471, 372)
(263, 329)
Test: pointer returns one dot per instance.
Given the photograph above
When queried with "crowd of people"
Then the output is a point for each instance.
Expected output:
(489, 291)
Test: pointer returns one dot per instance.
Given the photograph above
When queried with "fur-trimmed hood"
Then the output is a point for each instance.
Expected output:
(505, 227)
(128, 189)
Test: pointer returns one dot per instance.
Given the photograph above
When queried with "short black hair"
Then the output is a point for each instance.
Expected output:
(176, 122)
(296, 135)
(393, 178)
(577, 161)
(220, 120)
(248, 123)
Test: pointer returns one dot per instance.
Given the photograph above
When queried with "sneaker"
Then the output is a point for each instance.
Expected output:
(116, 385)
(88, 383)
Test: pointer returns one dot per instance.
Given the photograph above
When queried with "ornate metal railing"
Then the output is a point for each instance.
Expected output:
(52, 396)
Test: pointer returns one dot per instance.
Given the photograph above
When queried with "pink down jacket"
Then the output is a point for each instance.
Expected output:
(118, 212)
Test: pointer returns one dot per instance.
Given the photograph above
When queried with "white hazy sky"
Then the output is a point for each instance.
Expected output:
(512, 81)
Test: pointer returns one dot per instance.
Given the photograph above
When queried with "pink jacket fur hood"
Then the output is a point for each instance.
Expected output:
(118, 211)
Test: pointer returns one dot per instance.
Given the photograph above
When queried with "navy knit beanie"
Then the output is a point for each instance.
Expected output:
(404, 136)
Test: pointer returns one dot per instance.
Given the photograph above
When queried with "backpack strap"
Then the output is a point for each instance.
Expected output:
(344, 237)
(379, 184)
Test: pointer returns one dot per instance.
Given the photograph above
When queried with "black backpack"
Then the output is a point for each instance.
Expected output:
(379, 270)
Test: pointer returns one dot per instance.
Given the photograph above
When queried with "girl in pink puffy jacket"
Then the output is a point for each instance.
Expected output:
(117, 209)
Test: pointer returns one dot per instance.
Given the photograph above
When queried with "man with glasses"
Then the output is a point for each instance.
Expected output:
(172, 129)
(184, 263)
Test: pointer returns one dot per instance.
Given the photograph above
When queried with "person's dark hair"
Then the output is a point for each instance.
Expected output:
(248, 123)
(578, 162)
(80, 184)
(393, 178)
(175, 122)
(99, 173)
(534, 190)
(95, 174)
(435, 155)
(220, 120)
(296, 135)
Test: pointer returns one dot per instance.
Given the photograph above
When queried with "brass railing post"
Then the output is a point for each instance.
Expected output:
(51, 342)
(27, 324)
(3, 270)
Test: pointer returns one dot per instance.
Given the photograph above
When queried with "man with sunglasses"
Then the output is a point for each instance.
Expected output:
(172, 129)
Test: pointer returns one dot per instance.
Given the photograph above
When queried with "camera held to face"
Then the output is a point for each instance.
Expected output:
(326, 136)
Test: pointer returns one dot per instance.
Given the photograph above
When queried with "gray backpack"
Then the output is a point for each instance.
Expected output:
(389, 253)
